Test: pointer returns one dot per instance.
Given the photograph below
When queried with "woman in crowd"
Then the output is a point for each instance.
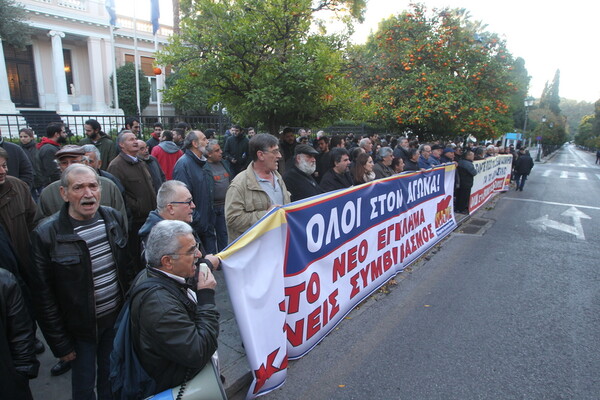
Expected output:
(362, 169)
(398, 165)
(28, 144)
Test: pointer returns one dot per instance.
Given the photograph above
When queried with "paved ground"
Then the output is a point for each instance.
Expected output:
(510, 312)
(233, 360)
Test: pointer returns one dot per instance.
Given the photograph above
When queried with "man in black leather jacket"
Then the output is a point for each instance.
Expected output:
(78, 292)
(173, 339)
(18, 363)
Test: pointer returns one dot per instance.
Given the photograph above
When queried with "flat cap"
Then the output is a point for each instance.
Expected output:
(70, 150)
(305, 149)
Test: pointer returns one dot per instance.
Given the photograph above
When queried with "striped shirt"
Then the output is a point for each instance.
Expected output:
(104, 271)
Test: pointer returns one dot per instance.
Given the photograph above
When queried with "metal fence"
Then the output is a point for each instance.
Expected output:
(10, 124)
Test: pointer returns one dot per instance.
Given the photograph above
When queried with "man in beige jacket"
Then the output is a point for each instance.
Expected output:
(256, 190)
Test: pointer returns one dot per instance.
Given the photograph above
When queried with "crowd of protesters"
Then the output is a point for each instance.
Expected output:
(80, 224)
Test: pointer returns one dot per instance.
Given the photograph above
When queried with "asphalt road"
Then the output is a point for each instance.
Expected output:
(509, 313)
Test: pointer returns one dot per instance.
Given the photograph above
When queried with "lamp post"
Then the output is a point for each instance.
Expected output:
(528, 102)
(539, 139)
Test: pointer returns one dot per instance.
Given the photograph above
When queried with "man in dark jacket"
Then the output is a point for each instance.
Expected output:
(19, 164)
(81, 275)
(466, 172)
(156, 172)
(401, 150)
(236, 150)
(338, 176)
(192, 169)
(95, 136)
(298, 179)
(523, 168)
(16, 341)
(140, 196)
(50, 144)
(17, 213)
(154, 136)
(412, 163)
(222, 177)
(174, 336)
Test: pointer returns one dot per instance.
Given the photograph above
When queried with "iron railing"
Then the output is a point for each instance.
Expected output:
(10, 124)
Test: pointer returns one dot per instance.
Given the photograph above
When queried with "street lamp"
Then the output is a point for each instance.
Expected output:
(539, 139)
(528, 103)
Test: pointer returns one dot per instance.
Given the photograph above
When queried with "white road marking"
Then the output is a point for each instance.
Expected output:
(542, 223)
(552, 203)
(564, 174)
(582, 176)
(598, 176)
(547, 173)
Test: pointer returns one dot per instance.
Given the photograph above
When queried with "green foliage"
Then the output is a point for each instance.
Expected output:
(12, 28)
(438, 75)
(521, 79)
(260, 60)
(585, 131)
(126, 89)
(550, 98)
(187, 99)
(575, 111)
(552, 131)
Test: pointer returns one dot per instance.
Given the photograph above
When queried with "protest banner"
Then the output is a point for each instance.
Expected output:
(493, 176)
(301, 269)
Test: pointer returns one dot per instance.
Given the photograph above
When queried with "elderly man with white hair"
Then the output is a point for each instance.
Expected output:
(383, 167)
(298, 179)
(175, 322)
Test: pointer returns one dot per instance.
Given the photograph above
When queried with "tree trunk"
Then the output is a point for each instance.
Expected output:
(176, 17)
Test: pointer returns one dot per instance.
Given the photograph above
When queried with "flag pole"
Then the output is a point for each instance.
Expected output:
(159, 84)
(154, 16)
(135, 60)
(114, 67)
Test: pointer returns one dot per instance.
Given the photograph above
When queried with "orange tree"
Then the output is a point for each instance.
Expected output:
(436, 75)
(263, 60)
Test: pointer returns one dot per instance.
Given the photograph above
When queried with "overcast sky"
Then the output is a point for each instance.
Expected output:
(549, 35)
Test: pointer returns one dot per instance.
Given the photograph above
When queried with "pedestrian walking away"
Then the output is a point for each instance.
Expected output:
(523, 168)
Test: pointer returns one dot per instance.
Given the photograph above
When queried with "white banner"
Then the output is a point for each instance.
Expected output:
(493, 176)
(296, 273)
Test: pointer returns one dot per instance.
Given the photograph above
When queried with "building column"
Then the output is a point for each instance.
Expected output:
(96, 74)
(58, 69)
(6, 104)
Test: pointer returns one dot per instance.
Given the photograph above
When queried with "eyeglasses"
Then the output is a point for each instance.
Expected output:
(276, 152)
(189, 253)
(189, 202)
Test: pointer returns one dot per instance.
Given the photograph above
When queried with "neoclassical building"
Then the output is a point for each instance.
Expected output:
(67, 67)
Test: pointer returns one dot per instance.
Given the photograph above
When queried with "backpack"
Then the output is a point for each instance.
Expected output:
(128, 379)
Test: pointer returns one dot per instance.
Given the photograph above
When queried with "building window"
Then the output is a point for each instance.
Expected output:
(68, 70)
(153, 89)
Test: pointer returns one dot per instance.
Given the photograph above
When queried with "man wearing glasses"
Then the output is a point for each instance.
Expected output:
(174, 324)
(257, 189)
(174, 202)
